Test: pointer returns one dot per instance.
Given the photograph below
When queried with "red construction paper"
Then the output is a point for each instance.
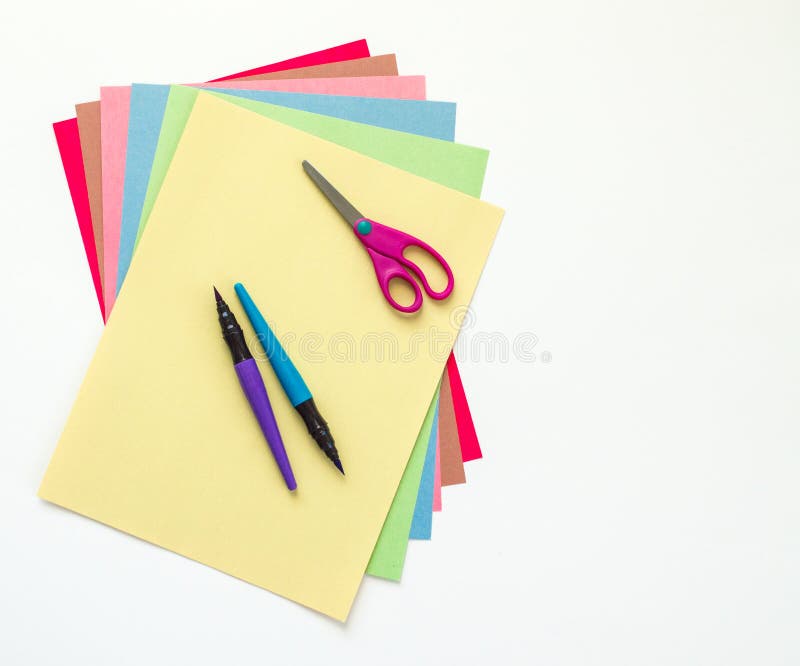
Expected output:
(467, 437)
(68, 138)
(69, 147)
(351, 51)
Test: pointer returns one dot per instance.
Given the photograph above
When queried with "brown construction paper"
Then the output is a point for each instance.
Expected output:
(452, 466)
(382, 65)
(89, 130)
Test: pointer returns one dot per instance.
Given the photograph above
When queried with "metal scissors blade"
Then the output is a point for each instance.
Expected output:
(345, 208)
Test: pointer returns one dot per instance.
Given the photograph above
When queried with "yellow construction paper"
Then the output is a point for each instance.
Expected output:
(161, 442)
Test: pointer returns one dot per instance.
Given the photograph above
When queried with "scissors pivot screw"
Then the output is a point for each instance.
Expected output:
(364, 227)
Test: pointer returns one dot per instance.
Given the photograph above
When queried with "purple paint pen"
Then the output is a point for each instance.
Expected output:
(253, 387)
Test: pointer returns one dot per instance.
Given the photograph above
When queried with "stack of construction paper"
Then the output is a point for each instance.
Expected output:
(173, 187)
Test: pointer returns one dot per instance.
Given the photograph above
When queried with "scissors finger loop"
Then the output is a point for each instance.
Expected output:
(386, 270)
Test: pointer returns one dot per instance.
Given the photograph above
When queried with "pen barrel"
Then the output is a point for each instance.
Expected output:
(290, 379)
(253, 387)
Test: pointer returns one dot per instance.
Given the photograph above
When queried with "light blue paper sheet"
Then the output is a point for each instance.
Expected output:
(148, 103)
(422, 522)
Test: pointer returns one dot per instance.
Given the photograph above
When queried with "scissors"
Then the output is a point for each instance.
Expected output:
(385, 247)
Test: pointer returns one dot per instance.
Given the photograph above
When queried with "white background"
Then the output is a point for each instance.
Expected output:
(639, 498)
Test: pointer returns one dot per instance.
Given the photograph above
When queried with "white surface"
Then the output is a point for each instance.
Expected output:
(646, 509)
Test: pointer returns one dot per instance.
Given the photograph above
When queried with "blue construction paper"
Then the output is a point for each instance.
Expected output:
(436, 120)
(148, 102)
(421, 523)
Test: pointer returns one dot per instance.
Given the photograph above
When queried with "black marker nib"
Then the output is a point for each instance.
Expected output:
(217, 296)
(338, 464)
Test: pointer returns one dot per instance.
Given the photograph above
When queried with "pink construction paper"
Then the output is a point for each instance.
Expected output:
(467, 437)
(115, 111)
(437, 480)
(349, 51)
(69, 147)
(397, 87)
(115, 105)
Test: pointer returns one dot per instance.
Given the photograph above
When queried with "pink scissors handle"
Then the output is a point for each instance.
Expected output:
(387, 269)
(385, 246)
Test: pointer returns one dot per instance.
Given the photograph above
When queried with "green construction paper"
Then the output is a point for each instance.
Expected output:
(390, 551)
(454, 165)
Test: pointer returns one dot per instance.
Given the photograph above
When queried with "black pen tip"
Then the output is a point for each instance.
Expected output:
(338, 464)
(217, 296)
